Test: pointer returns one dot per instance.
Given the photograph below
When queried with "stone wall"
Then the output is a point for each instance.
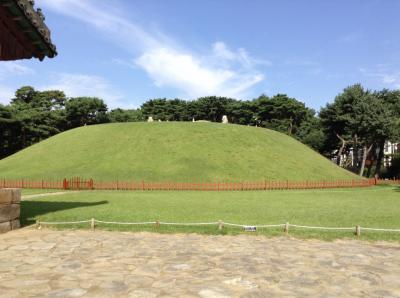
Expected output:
(10, 199)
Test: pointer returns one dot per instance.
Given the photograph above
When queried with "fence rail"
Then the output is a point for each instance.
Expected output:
(388, 181)
(78, 183)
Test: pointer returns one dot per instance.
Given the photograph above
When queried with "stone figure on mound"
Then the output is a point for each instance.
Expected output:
(225, 119)
(150, 119)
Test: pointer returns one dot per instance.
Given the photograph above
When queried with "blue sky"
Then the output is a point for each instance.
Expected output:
(127, 52)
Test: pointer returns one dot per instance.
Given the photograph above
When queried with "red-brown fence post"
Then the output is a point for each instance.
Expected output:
(65, 184)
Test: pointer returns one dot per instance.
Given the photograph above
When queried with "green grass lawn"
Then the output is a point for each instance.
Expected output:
(369, 207)
(171, 151)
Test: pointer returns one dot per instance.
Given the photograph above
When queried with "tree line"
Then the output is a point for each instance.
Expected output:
(358, 122)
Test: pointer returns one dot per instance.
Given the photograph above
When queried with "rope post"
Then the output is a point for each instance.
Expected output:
(92, 224)
(286, 228)
(38, 224)
(358, 231)
(220, 225)
(157, 224)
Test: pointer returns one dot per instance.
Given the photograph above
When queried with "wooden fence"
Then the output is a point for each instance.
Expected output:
(388, 181)
(77, 183)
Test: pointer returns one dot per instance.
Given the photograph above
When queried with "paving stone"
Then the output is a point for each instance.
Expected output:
(114, 264)
(77, 292)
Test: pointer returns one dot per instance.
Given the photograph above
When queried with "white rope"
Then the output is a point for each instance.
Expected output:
(270, 226)
(383, 230)
(257, 226)
(234, 225)
(320, 228)
(125, 223)
(62, 222)
(188, 223)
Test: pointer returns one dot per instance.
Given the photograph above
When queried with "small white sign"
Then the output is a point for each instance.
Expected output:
(250, 228)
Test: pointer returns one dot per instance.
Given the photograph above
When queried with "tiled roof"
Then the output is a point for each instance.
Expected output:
(28, 35)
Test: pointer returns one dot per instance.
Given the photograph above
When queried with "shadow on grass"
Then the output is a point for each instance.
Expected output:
(31, 209)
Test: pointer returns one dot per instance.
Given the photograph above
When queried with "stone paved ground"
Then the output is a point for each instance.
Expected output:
(115, 264)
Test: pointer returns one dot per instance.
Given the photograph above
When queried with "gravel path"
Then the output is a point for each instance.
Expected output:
(48, 194)
(117, 264)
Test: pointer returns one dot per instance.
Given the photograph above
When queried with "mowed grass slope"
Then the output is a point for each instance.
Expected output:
(171, 151)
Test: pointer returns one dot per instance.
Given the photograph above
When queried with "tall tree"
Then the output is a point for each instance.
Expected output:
(281, 113)
(391, 100)
(38, 114)
(121, 115)
(358, 117)
(211, 108)
(82, 111)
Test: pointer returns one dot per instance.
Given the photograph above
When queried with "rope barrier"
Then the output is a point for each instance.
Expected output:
(188, 224)
(125, 223)
(383, 230)
(270, 226)
(234, 225)
(321, 228)
(220, 224)
(63, 222)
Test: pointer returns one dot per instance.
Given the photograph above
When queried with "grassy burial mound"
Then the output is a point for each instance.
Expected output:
(171, 151)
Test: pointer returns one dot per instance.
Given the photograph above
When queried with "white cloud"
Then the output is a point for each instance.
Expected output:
(6, 93)
(387, 76)
(12, 68)
(75, 85)
(190, 74)
(219, 71)
(9, 69)
(109, 20)
(392, 79)
(221, 51)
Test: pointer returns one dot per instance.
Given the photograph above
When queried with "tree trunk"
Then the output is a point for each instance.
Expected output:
(378, 167)
(339, 157)
(365, 153)
(373, 155)
(290, 128)
(355, 154)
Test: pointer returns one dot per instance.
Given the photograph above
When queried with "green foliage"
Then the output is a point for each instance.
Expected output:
(32, 116)
(363, 119)
(121, 115)
(171, 151)
(82, 111)
(281, 113)
(165, 110)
